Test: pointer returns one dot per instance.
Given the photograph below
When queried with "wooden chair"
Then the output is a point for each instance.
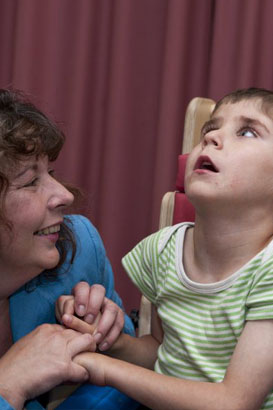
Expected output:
(175, 206)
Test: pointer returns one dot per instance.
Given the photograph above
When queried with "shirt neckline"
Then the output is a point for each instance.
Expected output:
(204, 288)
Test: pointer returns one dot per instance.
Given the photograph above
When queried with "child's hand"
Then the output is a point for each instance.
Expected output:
(100, 315)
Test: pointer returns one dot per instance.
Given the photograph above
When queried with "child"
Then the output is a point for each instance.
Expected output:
(210, 283)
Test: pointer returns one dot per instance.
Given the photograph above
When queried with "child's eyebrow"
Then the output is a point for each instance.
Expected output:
(253, 122)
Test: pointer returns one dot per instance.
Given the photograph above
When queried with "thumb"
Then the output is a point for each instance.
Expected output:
(78, 373)
(82, 359)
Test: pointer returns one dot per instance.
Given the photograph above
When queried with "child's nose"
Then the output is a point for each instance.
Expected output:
(213, 138)
(60, 196)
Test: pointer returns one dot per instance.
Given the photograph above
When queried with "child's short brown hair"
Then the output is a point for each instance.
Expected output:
(266, 97)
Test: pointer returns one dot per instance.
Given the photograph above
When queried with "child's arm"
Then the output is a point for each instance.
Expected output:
(248, 380)
(141, 351)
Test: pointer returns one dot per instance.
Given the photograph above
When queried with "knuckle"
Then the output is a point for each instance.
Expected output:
(113, 308)
(68, 333)
(113, 311)
(45, 327)
(80, 284)
(98, 287)
(121, 320)
(80, 288)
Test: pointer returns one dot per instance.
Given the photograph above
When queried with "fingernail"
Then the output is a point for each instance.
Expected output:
(104, 346)
(89, 318)
(81, 310)
(97, 337)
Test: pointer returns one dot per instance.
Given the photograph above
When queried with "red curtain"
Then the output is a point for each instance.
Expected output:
(117, 75)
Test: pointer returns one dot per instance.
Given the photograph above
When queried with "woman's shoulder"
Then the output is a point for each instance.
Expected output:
(86, 235)
(81, 226)
(79, 222)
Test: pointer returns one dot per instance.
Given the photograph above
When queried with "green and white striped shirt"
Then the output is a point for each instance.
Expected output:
(201, 322)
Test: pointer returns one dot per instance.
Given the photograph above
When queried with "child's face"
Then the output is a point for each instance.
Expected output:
(233, 163)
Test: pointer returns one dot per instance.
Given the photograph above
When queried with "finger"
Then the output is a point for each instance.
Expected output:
(96, 300)
(108, 319)
(81, 343)
(113, 333)
(79, 367)
(77, 324)
(81, 293)
(64, 304)
(78, 373)
(84, 360)
(69, 306)
(58, 308)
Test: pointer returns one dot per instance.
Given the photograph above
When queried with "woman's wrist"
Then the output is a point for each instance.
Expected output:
(12, 396)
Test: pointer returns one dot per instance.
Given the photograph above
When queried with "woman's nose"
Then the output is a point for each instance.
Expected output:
(60, 196)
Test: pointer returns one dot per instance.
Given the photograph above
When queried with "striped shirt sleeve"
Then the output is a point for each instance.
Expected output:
(259, 302)
(140, 264)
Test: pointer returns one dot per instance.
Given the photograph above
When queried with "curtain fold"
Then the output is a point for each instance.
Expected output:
(117, 75)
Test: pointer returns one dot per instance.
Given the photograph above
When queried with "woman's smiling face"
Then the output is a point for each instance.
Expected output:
(34, 205)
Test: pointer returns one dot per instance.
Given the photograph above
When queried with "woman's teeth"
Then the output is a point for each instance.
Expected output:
(47, 231)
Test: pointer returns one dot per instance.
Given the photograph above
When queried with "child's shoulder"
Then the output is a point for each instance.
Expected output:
(164, 235)
(267, 253)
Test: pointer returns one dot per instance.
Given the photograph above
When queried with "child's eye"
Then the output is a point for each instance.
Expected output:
(248, 132)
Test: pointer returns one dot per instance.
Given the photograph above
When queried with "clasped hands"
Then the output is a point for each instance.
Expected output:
(52, 354)
(87, 310)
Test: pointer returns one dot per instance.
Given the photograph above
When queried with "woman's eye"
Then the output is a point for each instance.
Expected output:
(33, 182)
(249, 133)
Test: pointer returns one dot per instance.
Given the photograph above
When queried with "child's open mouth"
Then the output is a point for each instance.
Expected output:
(205, 163)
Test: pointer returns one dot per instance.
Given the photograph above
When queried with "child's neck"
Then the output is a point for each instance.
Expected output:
(218, 247)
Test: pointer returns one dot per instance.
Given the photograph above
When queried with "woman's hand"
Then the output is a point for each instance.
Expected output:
(96, 365)
(100, 315)
(40, 361)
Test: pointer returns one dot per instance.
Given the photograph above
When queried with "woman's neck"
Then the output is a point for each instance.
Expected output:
(5, 328)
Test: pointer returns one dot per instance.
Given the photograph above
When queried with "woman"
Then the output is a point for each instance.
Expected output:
(44, 254)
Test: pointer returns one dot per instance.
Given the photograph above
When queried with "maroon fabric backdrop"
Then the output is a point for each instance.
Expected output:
(118, 75)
